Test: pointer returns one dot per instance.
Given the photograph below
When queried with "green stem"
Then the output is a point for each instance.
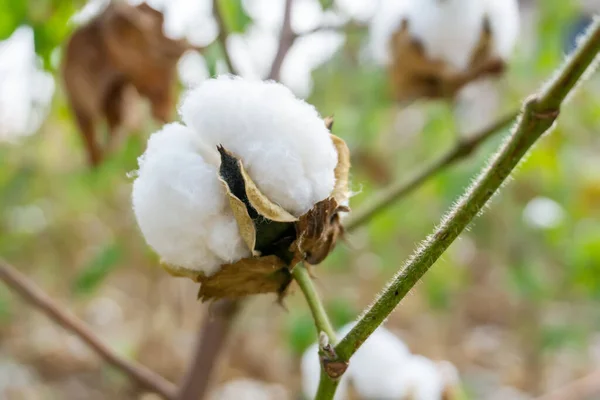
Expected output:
(390, 195)
(327, 387)
(538, 116)
(301, 275)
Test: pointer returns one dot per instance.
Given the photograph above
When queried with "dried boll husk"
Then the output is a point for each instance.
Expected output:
(277, 240)
(416, 76)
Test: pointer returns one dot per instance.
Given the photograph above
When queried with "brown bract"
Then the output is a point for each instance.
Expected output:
(120, 51)
(277, 239)
(415, 76)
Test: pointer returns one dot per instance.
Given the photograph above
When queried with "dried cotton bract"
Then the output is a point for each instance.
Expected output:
(250, 186)
(434, 48)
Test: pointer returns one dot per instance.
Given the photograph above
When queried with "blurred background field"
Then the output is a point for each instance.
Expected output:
(514, 303)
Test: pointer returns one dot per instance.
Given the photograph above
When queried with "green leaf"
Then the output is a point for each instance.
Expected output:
(234, 16)
(98, 269)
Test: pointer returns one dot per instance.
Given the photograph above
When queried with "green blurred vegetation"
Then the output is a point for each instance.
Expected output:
(72, 231)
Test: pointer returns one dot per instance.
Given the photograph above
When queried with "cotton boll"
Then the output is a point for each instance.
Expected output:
(504, 24)
(379, 367)
(310, 369)
(424, 379)
(282, 141)
(181, 206)
(448, 30)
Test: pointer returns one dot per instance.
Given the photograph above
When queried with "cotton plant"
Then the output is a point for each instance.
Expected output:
(434, 48)
(251, 183)
(383, 368)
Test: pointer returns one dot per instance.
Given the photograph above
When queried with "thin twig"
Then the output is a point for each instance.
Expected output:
(582, 388)
(538, 115)
(209, 344)
(137, 372)
(287, 37)
(320, 317)
(390, 195)
(222, 37)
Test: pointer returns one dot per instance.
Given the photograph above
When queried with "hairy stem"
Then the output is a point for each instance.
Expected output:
(390, 195)
(29, 291)
(538, 115)
(322, 323)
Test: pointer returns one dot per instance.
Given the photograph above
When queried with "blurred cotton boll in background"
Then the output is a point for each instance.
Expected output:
(543, 213)
(384, 368)
(25, 89)
(179, 201)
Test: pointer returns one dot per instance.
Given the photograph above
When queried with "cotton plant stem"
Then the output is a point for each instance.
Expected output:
(144, 377)
(538, 115)
(390, 195)
(222, 37)
(286, 40)
(322, 323)
(212, 337)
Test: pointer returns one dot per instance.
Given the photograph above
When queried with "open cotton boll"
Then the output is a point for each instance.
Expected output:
(503, 16)
(310, 369)
(281, 140)
(180, 205)
(449, 30)
(424, 379)
(378, 367)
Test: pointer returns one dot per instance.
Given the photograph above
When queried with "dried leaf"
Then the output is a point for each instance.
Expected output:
(180, 272)
(328, 122)
(122, 48)
(248, 276)
(317, 231)
(342, 170)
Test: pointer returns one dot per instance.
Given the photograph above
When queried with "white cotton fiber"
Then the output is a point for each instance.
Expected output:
(378, 366)
(504, 23)
(282, 141)
(449, 30)
(310, 368)
(181, 206)
(383, 368)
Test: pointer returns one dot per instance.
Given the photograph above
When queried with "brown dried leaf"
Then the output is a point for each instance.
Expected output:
(123, 47)
(342, 170)
(248, 276)
(317, 232)
(180, 272)
(328, 122)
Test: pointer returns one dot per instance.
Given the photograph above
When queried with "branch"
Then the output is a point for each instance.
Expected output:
(210, 341)
(583, 388)
(222, 37)
(388, 196)
(137, 372)
(302, 277)
(287, 37)
(538, 116)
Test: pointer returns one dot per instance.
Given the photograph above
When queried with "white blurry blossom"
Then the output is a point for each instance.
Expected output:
(180, 204)
(383, 368)
(25, 88)
(192, 69)
(449, 30)
(543, 213)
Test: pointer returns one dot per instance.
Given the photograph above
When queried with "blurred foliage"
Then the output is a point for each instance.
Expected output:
(73, 231)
